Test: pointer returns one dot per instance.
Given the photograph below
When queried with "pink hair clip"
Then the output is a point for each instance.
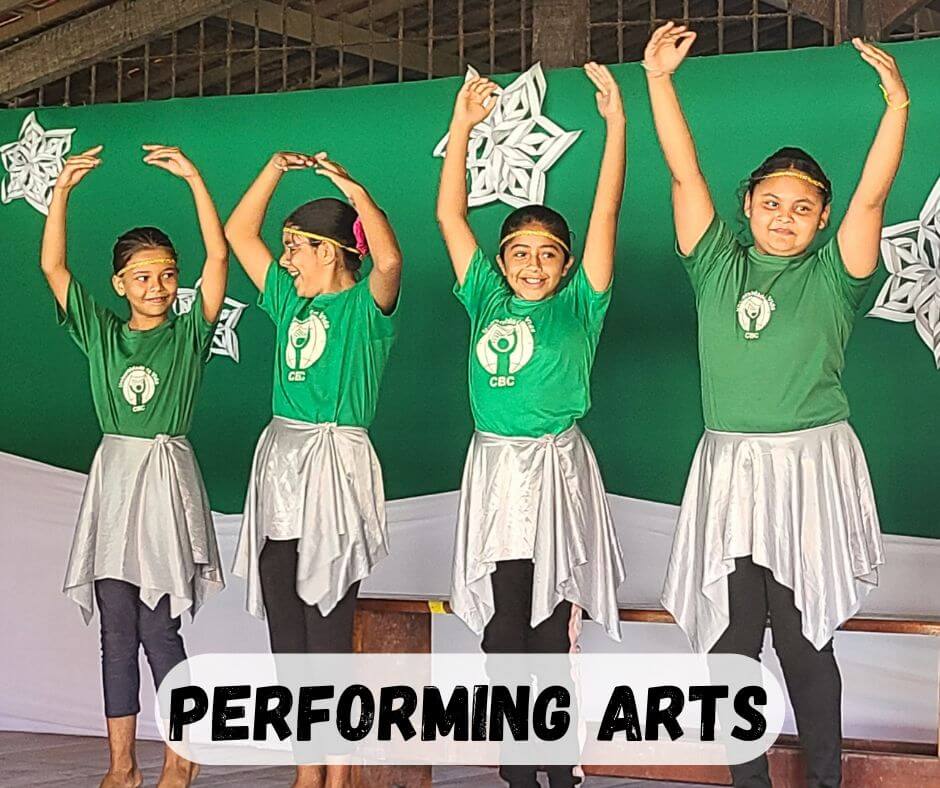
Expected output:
(362, 245)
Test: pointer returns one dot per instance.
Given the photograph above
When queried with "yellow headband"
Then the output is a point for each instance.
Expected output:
(142, 263)
(315, 237)
(541, 233)
(796, 174)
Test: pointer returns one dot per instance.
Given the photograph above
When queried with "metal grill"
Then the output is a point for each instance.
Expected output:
(269, 46)
(620, 30)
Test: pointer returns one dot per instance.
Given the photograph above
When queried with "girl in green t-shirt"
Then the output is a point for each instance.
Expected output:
(778, 515)
(144, 548)
(535, 540)
(314, 518)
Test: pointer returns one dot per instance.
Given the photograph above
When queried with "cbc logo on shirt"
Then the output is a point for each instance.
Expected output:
(754, 312)
(506, 347)
(306, 341)
(138, 385)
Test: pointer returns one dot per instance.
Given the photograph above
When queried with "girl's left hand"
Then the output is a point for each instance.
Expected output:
(609, 101)
(336, 173)
(887, 69)
(170, 159)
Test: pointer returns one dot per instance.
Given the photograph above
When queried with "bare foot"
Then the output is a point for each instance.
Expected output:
(339, 775)
(177, 771)
(122, 766)
(309, 777)
(116, 778)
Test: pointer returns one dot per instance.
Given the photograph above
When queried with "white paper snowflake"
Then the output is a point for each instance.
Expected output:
(511, 151)
(33, 163)
(225, 340)
(911, 251)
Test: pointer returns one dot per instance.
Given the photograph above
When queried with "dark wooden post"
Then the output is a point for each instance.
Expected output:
(560, 32)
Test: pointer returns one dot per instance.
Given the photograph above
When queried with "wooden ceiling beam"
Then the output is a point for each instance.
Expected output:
(331, 34)
(71, 46)
(32, 19)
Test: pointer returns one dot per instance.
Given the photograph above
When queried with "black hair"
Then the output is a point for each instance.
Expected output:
(554, 222)
(795, 159)
(131, 242)
(331, 218)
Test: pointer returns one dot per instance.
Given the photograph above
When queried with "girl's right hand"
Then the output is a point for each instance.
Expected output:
(471, 106)
(77, 167)
(287, 160)
(667, 48)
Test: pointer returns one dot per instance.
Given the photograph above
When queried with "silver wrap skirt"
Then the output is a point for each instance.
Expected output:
(322, 485)
(799, 503)
(145, 519)
(547, 494)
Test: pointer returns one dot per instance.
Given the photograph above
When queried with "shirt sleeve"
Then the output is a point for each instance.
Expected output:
(381, 326)
(481, 281)
(849, 288)
(589, 304)
(198, 330)
(84, 319)
(278, 291)
(716, 248)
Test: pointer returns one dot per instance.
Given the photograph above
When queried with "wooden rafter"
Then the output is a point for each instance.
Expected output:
(329, 33)
(877, 17)
(31, 19)
(95, 36)
(11, 5)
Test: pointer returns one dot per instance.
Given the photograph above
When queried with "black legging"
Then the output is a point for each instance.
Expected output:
(812, 677)
(126, 624)
(509, 632)
(294, 626)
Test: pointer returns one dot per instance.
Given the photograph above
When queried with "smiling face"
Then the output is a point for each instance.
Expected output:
(312, 263)
(785, 213)
(533, 265)
(150, 288)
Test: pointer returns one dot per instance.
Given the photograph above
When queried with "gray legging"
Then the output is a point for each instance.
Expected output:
(126, 625)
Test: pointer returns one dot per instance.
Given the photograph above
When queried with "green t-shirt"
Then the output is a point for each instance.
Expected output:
(772, 333)
(530, 361)
(330, 351)
(143, 383)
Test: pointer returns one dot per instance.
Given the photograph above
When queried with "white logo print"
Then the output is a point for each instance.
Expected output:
(306, 341)
(138, 385)
(505, 347)
(754, 312)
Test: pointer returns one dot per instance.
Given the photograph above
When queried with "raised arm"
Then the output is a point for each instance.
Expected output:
(243, 228)
(53, 258)
(859, 234)
(692, 205)
(470, 108)
(598, 260)
(215, 268)
(385, 277)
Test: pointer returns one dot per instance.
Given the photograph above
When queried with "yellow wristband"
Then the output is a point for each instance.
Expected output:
(884, 93)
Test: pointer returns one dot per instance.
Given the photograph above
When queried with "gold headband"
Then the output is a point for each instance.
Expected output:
(142, 263)
(540, 233)
(315, 237)
(796, 174)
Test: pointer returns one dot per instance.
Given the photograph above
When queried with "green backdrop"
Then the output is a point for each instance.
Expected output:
(646, 417)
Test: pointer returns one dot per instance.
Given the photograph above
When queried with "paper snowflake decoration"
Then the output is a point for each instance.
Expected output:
(33, 163)
(911, 251)
(512, 150)
(225, 340)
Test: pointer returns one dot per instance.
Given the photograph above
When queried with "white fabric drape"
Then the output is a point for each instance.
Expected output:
(49, 663)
